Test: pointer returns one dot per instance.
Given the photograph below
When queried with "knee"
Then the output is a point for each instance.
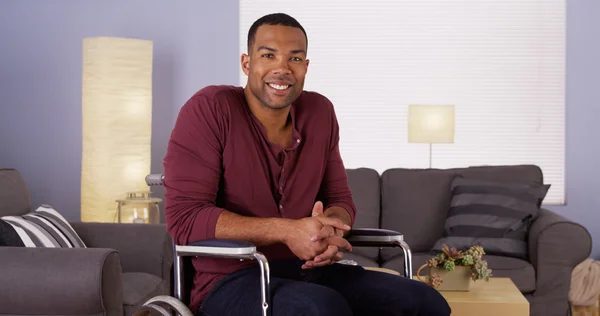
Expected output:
(416, 299)
(432, 302)
(332, 304)
(328, 303)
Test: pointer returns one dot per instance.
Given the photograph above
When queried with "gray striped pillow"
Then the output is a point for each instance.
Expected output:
(494, 215)
(44, 227)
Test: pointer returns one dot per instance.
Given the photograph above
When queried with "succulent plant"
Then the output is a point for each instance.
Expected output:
(449, 265)
(450, 258)
(468, 260)
(436, 280)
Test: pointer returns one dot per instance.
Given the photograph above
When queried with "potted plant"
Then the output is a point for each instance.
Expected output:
(453, 270)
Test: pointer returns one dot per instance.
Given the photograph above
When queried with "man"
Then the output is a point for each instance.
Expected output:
(262, 164)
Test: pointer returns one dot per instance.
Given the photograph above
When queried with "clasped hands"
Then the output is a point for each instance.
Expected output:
(318, 239)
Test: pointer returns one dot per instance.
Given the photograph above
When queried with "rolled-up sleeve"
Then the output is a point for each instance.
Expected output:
(335, 190)
(192, 167)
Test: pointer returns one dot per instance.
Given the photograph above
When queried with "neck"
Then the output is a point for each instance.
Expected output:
(274, 120)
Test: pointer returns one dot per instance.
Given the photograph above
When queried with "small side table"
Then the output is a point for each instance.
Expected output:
(498, 297)
(139, 207)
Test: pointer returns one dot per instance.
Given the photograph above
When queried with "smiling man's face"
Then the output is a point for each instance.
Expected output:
(276, 65)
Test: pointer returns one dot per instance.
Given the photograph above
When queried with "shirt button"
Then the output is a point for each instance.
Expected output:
(280, 206)
(297, 140)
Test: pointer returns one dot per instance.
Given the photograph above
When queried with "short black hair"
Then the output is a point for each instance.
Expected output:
(273, 19)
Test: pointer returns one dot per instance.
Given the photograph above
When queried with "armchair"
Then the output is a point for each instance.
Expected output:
(240, 250)
(113, 275)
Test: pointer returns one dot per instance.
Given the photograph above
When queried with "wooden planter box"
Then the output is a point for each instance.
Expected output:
(457, 280)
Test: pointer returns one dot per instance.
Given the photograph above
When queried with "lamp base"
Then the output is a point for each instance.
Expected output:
(430, 150)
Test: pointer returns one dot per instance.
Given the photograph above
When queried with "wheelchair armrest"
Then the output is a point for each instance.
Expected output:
(374, 237)
(223, 248)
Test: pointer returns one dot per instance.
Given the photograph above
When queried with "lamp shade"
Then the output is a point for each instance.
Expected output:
(431, 124)
(116, 123)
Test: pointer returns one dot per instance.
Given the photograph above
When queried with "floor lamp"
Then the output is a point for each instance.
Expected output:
(116, 123)
(431, 124)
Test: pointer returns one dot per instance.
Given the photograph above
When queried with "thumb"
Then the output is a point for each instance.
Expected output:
(317, 209)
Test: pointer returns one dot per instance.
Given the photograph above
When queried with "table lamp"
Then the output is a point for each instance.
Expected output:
(431, 124)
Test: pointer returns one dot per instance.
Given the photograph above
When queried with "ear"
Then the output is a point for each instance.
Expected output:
(307, 62)
(245, 61)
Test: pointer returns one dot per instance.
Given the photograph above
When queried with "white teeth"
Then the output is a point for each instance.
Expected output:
(278, 87)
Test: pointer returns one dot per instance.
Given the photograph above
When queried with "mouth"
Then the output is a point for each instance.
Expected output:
(279, 89)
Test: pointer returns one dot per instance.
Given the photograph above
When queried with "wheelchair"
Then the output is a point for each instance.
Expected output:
(240, 250)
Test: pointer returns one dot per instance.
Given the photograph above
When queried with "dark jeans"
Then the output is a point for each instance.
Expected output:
(331, 290)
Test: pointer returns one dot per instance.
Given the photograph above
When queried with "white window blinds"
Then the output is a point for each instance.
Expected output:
(500, 63)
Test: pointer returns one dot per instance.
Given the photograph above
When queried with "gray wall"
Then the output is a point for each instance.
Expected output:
(196, 45)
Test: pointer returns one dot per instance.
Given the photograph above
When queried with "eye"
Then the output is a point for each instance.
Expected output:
(267, 55)
(296, 59)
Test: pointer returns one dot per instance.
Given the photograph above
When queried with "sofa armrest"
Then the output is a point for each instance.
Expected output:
(556, 246)
(141, 247)
(57, 281)
(557, 241)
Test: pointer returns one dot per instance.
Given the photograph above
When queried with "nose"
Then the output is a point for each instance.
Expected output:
(282, 68)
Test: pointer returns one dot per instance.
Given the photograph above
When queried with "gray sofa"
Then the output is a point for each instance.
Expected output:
(122, 266)
(415, 202)
(117, 272)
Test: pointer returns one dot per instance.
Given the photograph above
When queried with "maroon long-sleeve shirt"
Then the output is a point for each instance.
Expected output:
(219, 158)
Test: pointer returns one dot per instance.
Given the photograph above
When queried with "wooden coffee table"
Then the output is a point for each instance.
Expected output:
(498, 297)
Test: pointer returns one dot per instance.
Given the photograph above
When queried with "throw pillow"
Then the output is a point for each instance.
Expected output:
(494, 215)
(44, 227)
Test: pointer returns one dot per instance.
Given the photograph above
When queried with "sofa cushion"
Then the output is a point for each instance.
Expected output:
(494, 215)
(14, 196)
(44, 227)
(364, 184)
(138, 287)
(511, 174)
(415, 202)
(520, 271)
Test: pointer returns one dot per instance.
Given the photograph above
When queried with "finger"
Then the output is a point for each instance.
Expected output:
(326, 232)
(327, 255)
(308, 265)
(339, 242)
(336, 223)
(322, 263)
(338, 232)
(338, 256)
(311, 264)
(317, 208)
